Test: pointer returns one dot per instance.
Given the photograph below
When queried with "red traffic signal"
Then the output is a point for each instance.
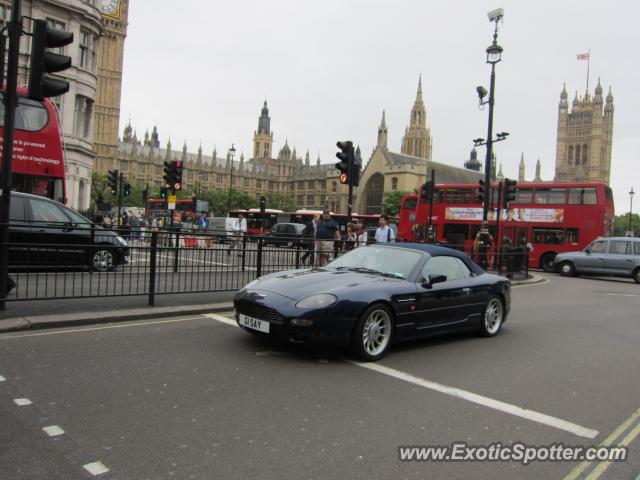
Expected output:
(344, 178)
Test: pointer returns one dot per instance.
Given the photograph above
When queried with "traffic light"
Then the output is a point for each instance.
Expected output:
(177, 175)
(163, 192)
(356, 169)
(44, 61)
(509, 192)
(168, 174)
(113, 181)
(263, 204)
(482, 192)
(126, 190)
(345, 155)
(426, 192)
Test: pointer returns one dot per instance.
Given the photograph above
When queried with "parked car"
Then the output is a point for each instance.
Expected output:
(617, 256)
(374, 296)
(287, 234)
(216, 227)
(44, 233)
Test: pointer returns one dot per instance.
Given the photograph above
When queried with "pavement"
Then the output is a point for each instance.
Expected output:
(194, 397)
(91, 311)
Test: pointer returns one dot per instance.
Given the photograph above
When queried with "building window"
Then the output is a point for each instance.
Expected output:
(300, 200)
(292, 186)
(141, 168)
(87, 50)
(585, 154)
(204, 177)
(258, 183)
(257, 149)
(124, 166)
(576, 158)
(157, 170)
(570, 155)
(218, 179)
(83, 115)
(394, 183)
(311, 200)
(300, 185)
(272, 186)
(311, 185)
(5, 14)
(334, 187)
(247, 183)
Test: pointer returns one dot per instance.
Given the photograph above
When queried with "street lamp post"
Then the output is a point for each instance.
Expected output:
(232, 152)
(494, 55)
(631, 194)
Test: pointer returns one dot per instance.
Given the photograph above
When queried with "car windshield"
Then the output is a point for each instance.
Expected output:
(398, 262)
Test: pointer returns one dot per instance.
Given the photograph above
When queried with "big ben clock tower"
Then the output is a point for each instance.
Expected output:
(107, 108)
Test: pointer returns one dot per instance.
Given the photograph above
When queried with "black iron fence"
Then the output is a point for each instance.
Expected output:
(67, 261)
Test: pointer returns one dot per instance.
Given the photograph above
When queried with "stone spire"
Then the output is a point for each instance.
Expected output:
(184, 151)
(146, 138)
(241, 168)
(155, 139)
(564, 104)
(538, 178)
(608, 107)
(382, 133)
(168, 152)
(473, 163)
(500, 174)
(417, 138)
(199, 160)
(521, 169)
(307, 160)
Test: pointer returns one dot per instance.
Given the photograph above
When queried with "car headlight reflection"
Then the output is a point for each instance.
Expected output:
(121, 241)
(321, 300)
(251, 284)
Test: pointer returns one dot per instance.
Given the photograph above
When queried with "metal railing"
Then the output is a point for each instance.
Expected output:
(74, 262)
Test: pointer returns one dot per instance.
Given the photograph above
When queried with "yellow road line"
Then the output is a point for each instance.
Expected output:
(575, 473)
(602, 466)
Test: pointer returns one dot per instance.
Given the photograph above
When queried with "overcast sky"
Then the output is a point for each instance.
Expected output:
(201, 70)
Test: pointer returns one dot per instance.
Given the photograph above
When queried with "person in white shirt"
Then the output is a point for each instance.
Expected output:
(361, 234)
(384, 233)
(238, 230)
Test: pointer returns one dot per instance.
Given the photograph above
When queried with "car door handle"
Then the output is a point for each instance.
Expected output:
(406, 300)
(466, 291)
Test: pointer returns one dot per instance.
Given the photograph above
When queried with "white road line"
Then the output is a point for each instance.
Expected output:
(482, 400)
(104, 327)
(463, 394)
(95, 468)
(53, 430)
(21, 402)
(222, 319)
(2, 379)
(623, 295)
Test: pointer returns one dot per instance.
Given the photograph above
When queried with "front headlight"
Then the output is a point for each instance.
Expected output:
(121, 241)
(321, 300)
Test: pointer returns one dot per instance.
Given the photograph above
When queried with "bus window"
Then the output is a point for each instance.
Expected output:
(524, 195)
(542, 195)
(410, 203)
(547, 235)
(459, 195)
(582, 196)
(438, 194)
(571, 235)
(31, 116)
(558, 195)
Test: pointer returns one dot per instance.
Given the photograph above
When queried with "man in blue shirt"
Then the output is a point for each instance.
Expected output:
(327, 231)
(384, 233)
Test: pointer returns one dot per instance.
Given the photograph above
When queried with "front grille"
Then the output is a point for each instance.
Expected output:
(260, 312)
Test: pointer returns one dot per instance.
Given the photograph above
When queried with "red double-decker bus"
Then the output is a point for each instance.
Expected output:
(38, 157)
(257, 223)
(549, 218)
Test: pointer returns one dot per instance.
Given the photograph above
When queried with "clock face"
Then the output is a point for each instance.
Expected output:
(109, 7)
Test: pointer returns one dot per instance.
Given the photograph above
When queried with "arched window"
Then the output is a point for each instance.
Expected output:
(394, 183)
(570, 155)
(576, 158)
(334, 187)
(585, 153)
(373, 193)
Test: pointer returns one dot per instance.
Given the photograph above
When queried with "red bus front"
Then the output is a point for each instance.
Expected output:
(38, 159)
(257, 224)
(549, 218)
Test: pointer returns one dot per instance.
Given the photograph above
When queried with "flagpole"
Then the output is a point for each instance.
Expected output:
(588, 65)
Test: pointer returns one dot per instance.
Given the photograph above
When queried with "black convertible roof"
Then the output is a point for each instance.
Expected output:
(436, 251)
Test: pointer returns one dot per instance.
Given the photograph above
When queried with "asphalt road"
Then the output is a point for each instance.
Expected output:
(195, 397)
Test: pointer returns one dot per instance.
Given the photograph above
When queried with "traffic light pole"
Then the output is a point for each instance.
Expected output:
(10, 98)
(430, 236)
(120, 184)
(498, 241)
(350, 177)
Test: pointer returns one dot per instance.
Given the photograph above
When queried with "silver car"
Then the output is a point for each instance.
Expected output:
(618, 256)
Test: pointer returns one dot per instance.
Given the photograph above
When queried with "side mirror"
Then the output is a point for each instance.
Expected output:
(433, 279)
(587, 250)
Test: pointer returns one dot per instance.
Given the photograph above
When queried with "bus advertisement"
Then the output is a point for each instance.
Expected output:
(548, 218)
(38, 157)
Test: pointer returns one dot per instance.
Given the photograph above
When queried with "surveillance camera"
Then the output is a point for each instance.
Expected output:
(495, 15)
(482, 92)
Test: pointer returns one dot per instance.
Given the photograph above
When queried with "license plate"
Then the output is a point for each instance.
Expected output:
(254, 323)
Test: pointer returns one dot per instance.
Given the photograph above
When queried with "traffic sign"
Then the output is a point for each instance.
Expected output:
(171, 202)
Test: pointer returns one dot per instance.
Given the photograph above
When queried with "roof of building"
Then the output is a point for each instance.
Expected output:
(443, 173)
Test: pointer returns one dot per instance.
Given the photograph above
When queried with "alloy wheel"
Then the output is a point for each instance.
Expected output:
(376, 332)
(493, 316)
(103, 260)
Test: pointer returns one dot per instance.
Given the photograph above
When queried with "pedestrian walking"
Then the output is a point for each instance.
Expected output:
(327, 233)
(238, 230)
(361, 234)
(384, 233)
(308, 240)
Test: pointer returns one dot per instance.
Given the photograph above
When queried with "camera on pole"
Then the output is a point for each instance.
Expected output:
(113, 181)
(509, 194)
(346, 156)
(43, 61)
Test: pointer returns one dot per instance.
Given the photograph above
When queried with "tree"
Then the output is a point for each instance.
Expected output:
(391, 204)
(282, 201)
(621, 224)
(219, 201)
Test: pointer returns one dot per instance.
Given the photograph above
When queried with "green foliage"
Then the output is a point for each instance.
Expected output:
(621, 224)
(282, 201)
(391, 204)
(219, 201)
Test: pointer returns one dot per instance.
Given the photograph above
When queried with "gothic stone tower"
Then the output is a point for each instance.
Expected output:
(417, 137)
(107, 108)
(263, 137)
(583, 148)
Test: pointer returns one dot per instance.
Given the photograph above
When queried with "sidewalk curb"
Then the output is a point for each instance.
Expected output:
(39, 322)
(535, 279)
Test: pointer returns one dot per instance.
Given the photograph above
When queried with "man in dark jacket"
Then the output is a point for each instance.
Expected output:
(308, 239)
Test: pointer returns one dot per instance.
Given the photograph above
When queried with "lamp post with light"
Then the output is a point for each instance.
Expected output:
(232, 152)
(631, 194)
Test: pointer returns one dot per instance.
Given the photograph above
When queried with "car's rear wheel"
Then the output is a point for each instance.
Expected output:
(102, 260)
(546, 262)
(373, 333)
(636, 275)
(567, 269)
(492, 317)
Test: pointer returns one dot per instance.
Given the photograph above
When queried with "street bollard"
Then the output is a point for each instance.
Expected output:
(176, 253)
(244, 251)
(259, 259)
(152, 268)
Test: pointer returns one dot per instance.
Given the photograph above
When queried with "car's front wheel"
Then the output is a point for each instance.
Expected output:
(492, 317)
(567, 269)
(636, 275)
(102, 259)
(373, 333)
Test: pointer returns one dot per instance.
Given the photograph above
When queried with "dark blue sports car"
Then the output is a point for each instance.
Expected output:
(374, 296)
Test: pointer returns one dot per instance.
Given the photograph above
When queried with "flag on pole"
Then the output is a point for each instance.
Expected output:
(583, 56)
